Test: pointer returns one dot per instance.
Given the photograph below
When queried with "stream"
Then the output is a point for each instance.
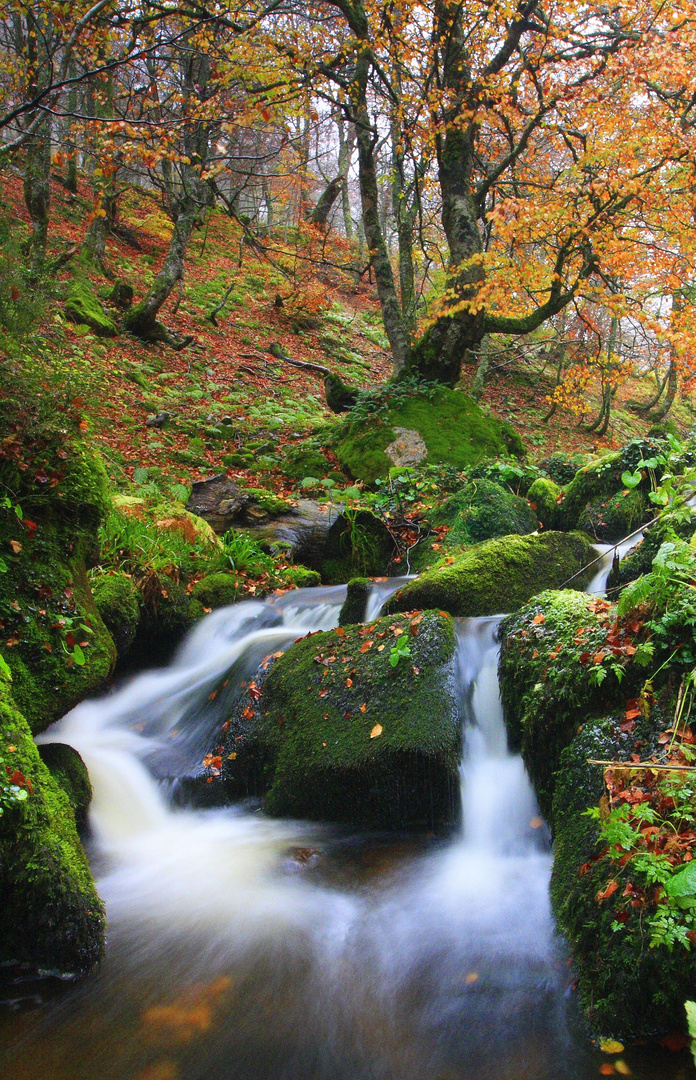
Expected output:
(246, 948)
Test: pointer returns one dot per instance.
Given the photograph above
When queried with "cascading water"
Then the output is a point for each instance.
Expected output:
(231, 957)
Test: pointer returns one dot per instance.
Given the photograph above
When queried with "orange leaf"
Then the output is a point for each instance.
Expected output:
(376, 731)
(16, 546)
(539, 618)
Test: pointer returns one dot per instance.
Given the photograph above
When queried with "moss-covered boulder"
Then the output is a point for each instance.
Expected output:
(454, 429)
(681, 524)
(70, 773)
(483, 510)
(349, 736)
(627, 987)
(50, 915)
(355, 604)
(216, 590)
(558, 664)
(84, 308)
(498, 576)
(545, 498)
(358, 542)
(118, 602)
(601, 479)
(57, 645)
(611, 519)
(169, 612)
(301, 577)
(561, 468)
(299, 463)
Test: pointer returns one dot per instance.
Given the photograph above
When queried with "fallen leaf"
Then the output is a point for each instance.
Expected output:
(16, 546)
(367, 645)
(376, 731)
(611, 1046)
(472, 977)
(675, 1041)
(339, 631)
(622, 1068)
(363, 708)
(539, 618)
(602, 895)
(607, 1070)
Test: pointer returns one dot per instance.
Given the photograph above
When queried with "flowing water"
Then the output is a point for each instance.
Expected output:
(243, 948)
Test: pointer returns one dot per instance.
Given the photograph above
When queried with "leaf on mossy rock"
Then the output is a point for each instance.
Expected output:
(683, 883)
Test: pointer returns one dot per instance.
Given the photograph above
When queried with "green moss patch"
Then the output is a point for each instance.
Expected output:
(216, 590)
(118, 602)
(611, 519)
(83, 307)
(498, 576)
(456, 431)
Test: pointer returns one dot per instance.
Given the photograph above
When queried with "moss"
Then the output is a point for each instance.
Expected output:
(561, 468)
(302, 577)
(70, 773)
(357, 543)
(329, 760)
(355, 603)
(602, 478)
(483, 511)
(455, 431)
(498, 576)
(545, 497)
(626, 988)
(165, 619)
(268, 501)
(611, 519)
(299, 463)
(50, 914)
(216, 590)
(545, 687)
(117, 601)
(83, 307)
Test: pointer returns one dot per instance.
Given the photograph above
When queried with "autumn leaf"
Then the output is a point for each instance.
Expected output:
(610, 1046)
(376, 731)
(539, 618)
(16, 546)
(366, 645)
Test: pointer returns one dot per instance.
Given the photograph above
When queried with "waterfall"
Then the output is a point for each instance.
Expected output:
(360, 958)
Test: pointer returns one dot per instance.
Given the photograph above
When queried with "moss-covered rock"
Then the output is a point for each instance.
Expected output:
(483, 510)
(353, 739)
(561, 468)
(84, 308)
(165, 618)
(602, 478)
(57, 646)
(70, 773)
(545, 497)
(551, 653)
(216, 590)
(639, 559)
(299, 463)
(498, 576)
(612, 519)
(355, 604)
(50, 915)
(118, 602)
(357, 543)
(627, 988)
(302, 577)
(455, 430)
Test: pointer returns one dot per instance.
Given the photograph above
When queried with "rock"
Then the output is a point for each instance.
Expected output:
(357, 543)
(561, 468)
(83, 307)
(70, 773)
(50, 915)
(454, 429)
(159, 421)
(118, 602)
(301, 577)
(483, 510)
(216, 590)
(601, 479)
(225, 505)
(610, 520)
(498, 576)
(356, 740)
(408, 448)
(121, 296)
(301, 532)
(355, 603)
(546, 497)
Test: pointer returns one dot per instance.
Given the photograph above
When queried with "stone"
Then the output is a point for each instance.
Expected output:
(408, 448)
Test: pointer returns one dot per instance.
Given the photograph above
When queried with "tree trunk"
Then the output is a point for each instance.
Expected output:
(319, 215)
(37, 171)
(346, 142)
(672, 383)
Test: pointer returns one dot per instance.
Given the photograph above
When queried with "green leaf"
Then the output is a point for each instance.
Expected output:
(660, 498)
(683, 883)
(140, 475)
(78, 656)
(3, 566)
(631, 479)
(308, 481)
(5, 669)
(690, 1007)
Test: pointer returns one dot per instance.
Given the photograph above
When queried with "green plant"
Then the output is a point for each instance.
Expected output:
(243, 555)
(400, 651)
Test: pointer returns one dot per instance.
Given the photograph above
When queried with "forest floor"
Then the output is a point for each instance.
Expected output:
(317, 313)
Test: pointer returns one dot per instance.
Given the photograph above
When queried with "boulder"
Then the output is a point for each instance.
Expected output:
(499, 575)
(70, 773)
(226, 505)
(50, 915)
(358, 542)
(347, 735)
(611, 519)
(355, 604)
(301, 532)
(83, 307)
(118, 602)
(450, 425)
(545, 498)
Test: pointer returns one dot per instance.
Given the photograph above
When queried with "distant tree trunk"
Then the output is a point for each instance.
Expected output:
(671, 383)
(346, 142)
(189, 202)
(319, 215)
(94, 243)
(71, 172)
(484, 363)
(37, 170)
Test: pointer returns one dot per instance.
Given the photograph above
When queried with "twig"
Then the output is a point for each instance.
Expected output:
(642, 765)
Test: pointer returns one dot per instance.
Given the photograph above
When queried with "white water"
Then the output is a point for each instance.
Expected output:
(446, 958)
(610, 552)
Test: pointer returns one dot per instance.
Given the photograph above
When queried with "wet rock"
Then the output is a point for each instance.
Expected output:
(301, 532)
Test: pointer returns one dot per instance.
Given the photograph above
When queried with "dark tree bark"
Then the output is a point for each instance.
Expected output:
(319, 215)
